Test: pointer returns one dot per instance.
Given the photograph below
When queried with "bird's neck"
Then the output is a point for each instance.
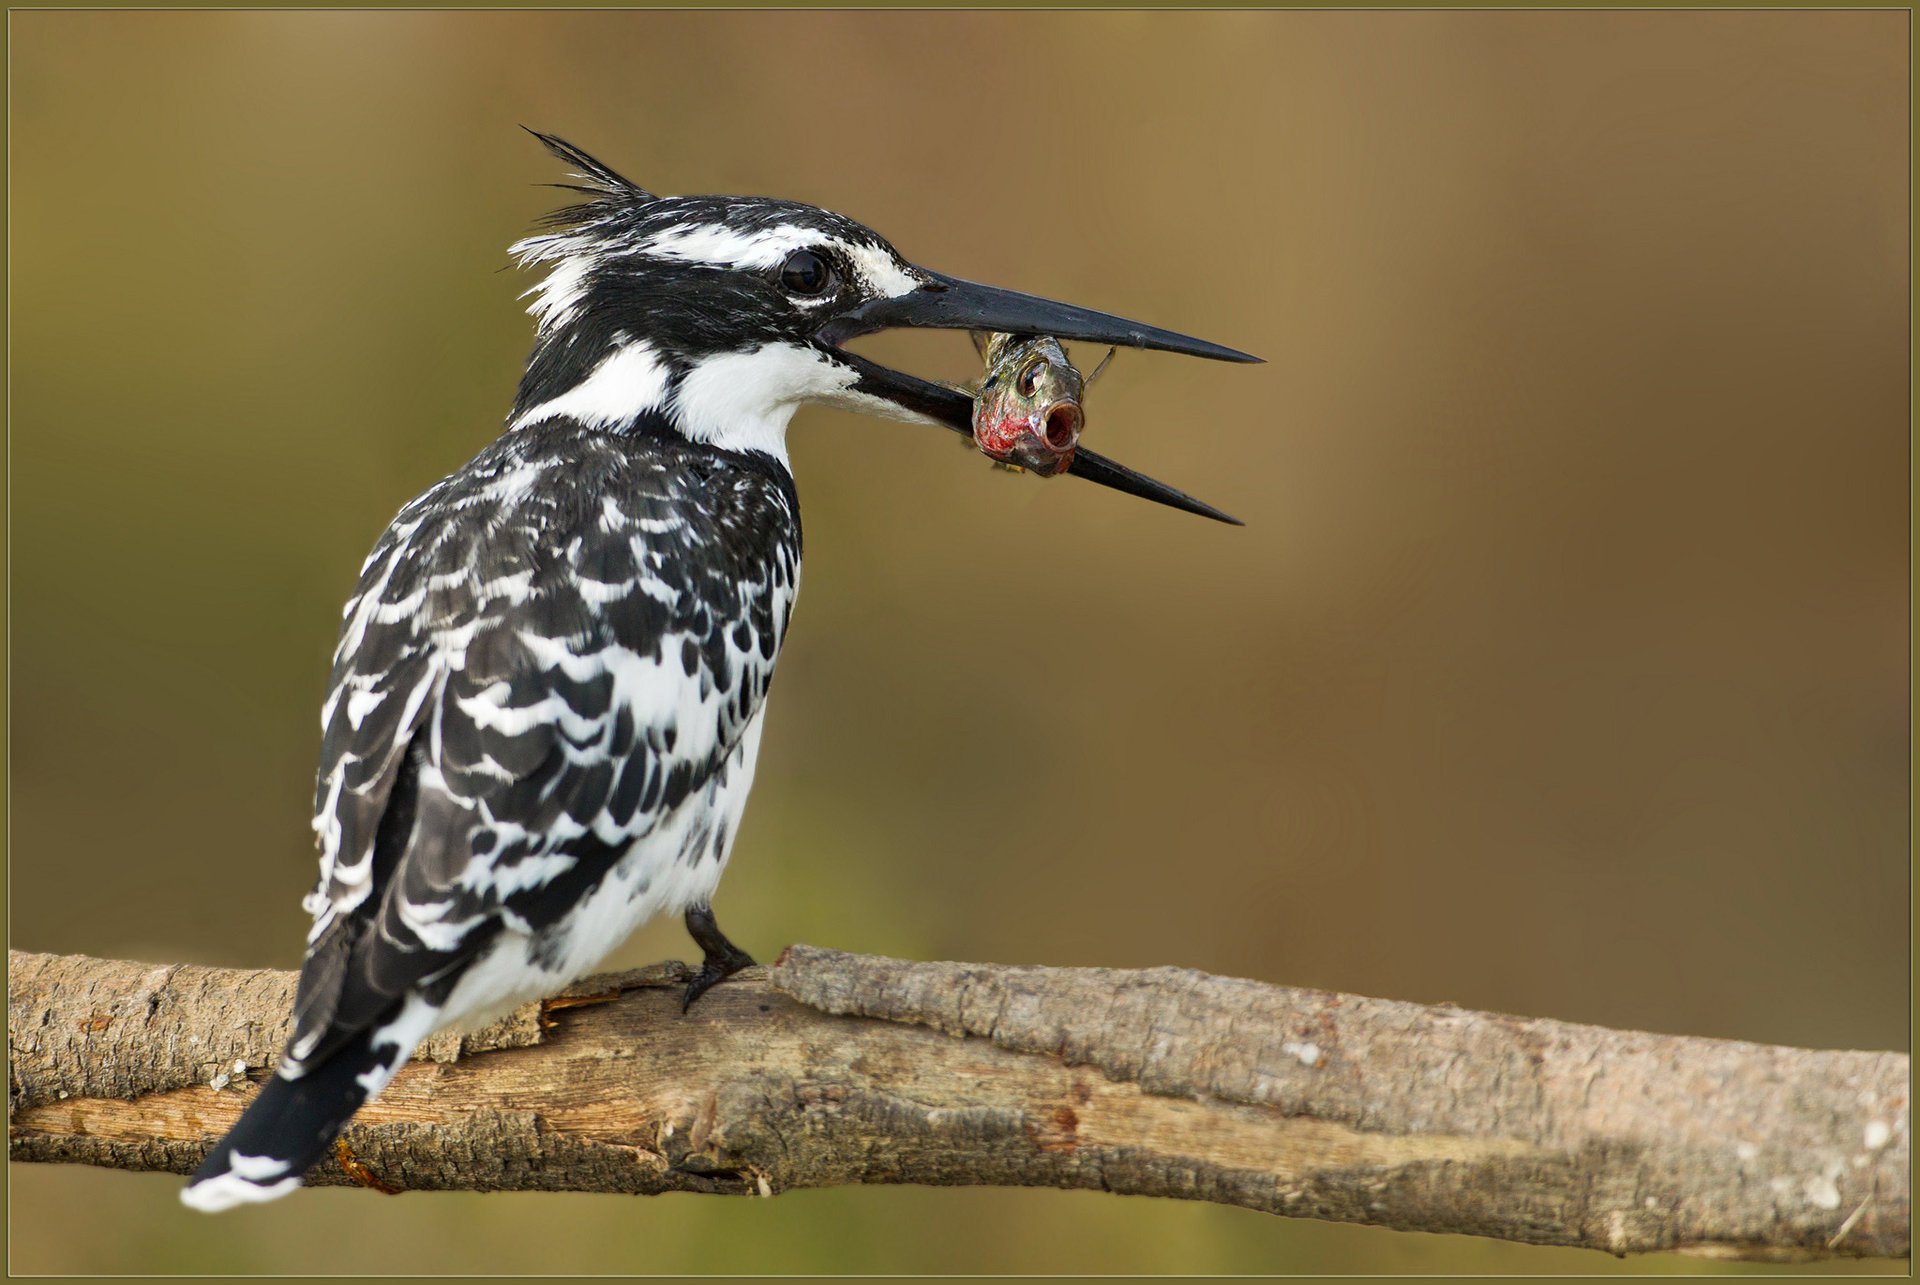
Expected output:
(734, 401)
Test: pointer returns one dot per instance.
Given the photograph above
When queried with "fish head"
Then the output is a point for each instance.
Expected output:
(1028, 411)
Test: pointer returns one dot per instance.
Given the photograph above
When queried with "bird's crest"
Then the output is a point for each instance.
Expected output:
(573, 235)
(612, 200)
(597, 179)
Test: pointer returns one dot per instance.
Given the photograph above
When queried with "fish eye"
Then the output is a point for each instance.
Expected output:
(1030, 377)
(806, 272)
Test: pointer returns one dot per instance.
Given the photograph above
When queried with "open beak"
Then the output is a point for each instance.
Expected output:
(948, 303)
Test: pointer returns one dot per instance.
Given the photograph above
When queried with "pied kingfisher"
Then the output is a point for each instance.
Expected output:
(548, 692)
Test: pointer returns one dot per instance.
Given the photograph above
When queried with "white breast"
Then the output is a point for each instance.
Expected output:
(668, 870)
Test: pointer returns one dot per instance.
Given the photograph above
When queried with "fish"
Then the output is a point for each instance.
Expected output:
(1027, 412)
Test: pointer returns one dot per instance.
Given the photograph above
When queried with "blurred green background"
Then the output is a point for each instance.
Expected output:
(1560, 668)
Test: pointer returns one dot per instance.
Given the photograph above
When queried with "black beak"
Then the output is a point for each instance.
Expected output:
(948, 303)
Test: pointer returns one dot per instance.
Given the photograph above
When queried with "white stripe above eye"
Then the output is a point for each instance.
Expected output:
(725, 247)
(624, 386)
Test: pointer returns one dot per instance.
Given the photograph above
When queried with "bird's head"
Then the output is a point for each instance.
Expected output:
(719, 316)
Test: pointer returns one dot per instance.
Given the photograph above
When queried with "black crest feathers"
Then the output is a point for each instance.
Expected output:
(597, 178)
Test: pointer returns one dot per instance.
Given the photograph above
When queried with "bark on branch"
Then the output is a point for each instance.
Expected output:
(832, 1068)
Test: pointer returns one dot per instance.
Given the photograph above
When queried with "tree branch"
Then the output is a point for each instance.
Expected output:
(831, 1068)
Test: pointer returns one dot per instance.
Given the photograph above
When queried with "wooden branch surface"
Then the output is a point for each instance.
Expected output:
(832, 1068)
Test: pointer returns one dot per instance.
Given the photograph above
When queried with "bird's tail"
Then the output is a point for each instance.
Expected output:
(287, 1128)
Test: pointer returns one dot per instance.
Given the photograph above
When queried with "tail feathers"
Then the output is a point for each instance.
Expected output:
(289, 1126)
(283, 1132)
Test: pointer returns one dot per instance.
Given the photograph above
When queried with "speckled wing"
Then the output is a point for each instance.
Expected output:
(526, 684)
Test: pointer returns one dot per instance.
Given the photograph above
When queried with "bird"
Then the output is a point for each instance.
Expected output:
(546, 701)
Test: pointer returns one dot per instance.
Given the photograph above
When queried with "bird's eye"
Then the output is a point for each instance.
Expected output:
(806, 272)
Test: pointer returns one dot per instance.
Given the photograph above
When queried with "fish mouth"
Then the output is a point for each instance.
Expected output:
(1059, 427)
(1040, 441)
(949, 303)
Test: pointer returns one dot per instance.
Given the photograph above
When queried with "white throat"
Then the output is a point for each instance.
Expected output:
(740, 401)
(743, 401)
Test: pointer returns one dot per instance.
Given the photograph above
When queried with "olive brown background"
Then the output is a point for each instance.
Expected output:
(1560, 668)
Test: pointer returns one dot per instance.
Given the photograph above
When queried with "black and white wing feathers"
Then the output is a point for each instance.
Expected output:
(546, 654)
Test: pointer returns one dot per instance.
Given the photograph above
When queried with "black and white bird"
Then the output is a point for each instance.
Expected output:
(551, 678)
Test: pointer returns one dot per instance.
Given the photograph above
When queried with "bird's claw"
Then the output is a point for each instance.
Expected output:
(715, 970)
(723, 958)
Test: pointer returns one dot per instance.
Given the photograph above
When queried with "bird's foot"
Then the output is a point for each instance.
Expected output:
(711, 974)
(723, 958)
